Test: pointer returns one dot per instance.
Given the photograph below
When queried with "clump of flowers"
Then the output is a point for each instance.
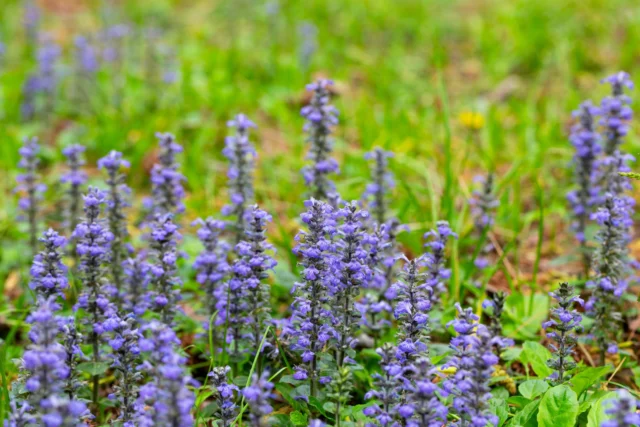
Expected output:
(387, 388)
(93, 242)
(495, 308)
(258, 395)
(166, 179)
(616, 112)
(30, 188)
(48, 273)
(311, 319)
(241, 155)
(382, 183)
(72, 340)
(75, 178)
(483, 206)
(561, 328)
(224, 395)
(422, 407)
(117, 201)
(136, 283)
(413, 305)
(474, 360)
(623, 411)
(435, 260)
(321, 117)
(163, 264)
(211, 264)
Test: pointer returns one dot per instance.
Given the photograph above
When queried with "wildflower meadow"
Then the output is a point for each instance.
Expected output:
(279, 213)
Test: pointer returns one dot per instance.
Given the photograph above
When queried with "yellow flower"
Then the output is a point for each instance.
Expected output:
(471, 120)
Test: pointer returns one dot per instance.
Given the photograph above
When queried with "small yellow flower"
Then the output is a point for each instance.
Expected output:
(471, 120)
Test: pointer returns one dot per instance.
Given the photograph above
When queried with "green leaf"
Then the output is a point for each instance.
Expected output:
(281, 420)
(499, 408)
(287, 393)
(518, 402)
(533, 388)
(588, 377)
(93, 368)
(298, 418)
(315, 403)
(597, 412)
(500, 393)
(558, 407)
(537, 355)
(527, 417)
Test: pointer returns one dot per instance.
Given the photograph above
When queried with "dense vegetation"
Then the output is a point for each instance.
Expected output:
(410, 244)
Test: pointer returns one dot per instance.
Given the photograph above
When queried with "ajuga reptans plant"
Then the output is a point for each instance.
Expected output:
(48, 273)
(166, 179)
(435, 260)
(29, 188)
(377, 192)
(75, 178)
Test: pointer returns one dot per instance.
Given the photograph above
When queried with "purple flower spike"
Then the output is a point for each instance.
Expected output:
(258, 395)
(352, 274)
(242, 156)
(224, 395)
(164, 269)
(561, 327)
(75, 178)
(616, 112)
(483, 209)
(118, 201)
(48, 273)
(623, 411)
(387, 389)
(211, 264)
(377, 191)
(321, 117)
(311, 325)
(435, 260)
(86, 57)
(166, 179)
(413, 304)
(137, 278)
(29, 187)
(474, 360)
(422, 407)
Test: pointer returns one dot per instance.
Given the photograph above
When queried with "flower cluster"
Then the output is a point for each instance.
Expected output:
(423, 408)
(258, 395)
(166, 179)
(163, 265)
(224, 394)
(241, 155)
(474, 360)
(483, 207)
(564, 322)
(382, 183)
(136, 283)
(616, 112)
(387, 388)
(75, 178)
(86, 57)
(29, 187)
(586, 142)
(117, 201)
(321, 117)
(48, 273)
(435, 260)
(623, 411)
(311, 320)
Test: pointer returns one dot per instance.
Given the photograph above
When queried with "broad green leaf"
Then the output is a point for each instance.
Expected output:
(500, 393)
(499, 408)
(537, 355)
(586, 404)
(298, 418)
(93, 368)
(588, 377)
(527, 417)
(597, 412)
(280, 420)
(533, 388)
(518, 402)
(558, 407)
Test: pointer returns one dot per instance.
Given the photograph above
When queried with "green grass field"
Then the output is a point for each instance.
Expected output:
(454, 88)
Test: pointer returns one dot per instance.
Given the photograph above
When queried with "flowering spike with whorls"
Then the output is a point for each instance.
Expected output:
(72, 340)
(496, 304)
(435, 260)
(165, 400)
(241, 155)
(387, 388)
(211, 264)
(117, 201)
(474, 361)
(560, 328)
(321, 117)
(586, 141)
(623, 411)
(377, 191)
(255, 260)
(483, 209)
(93, 242)
(311, 319)
(75, 178)
(86, 57)
(46, 370)
(126, 358)
(164, 270)
(616, 112)
(136, 282)
(422, 408)
(48, 273)
(612, 271)
(258, 395)
(166, 179)
(352, 274)
(412, 309)
(29, 188)
(224, 394)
